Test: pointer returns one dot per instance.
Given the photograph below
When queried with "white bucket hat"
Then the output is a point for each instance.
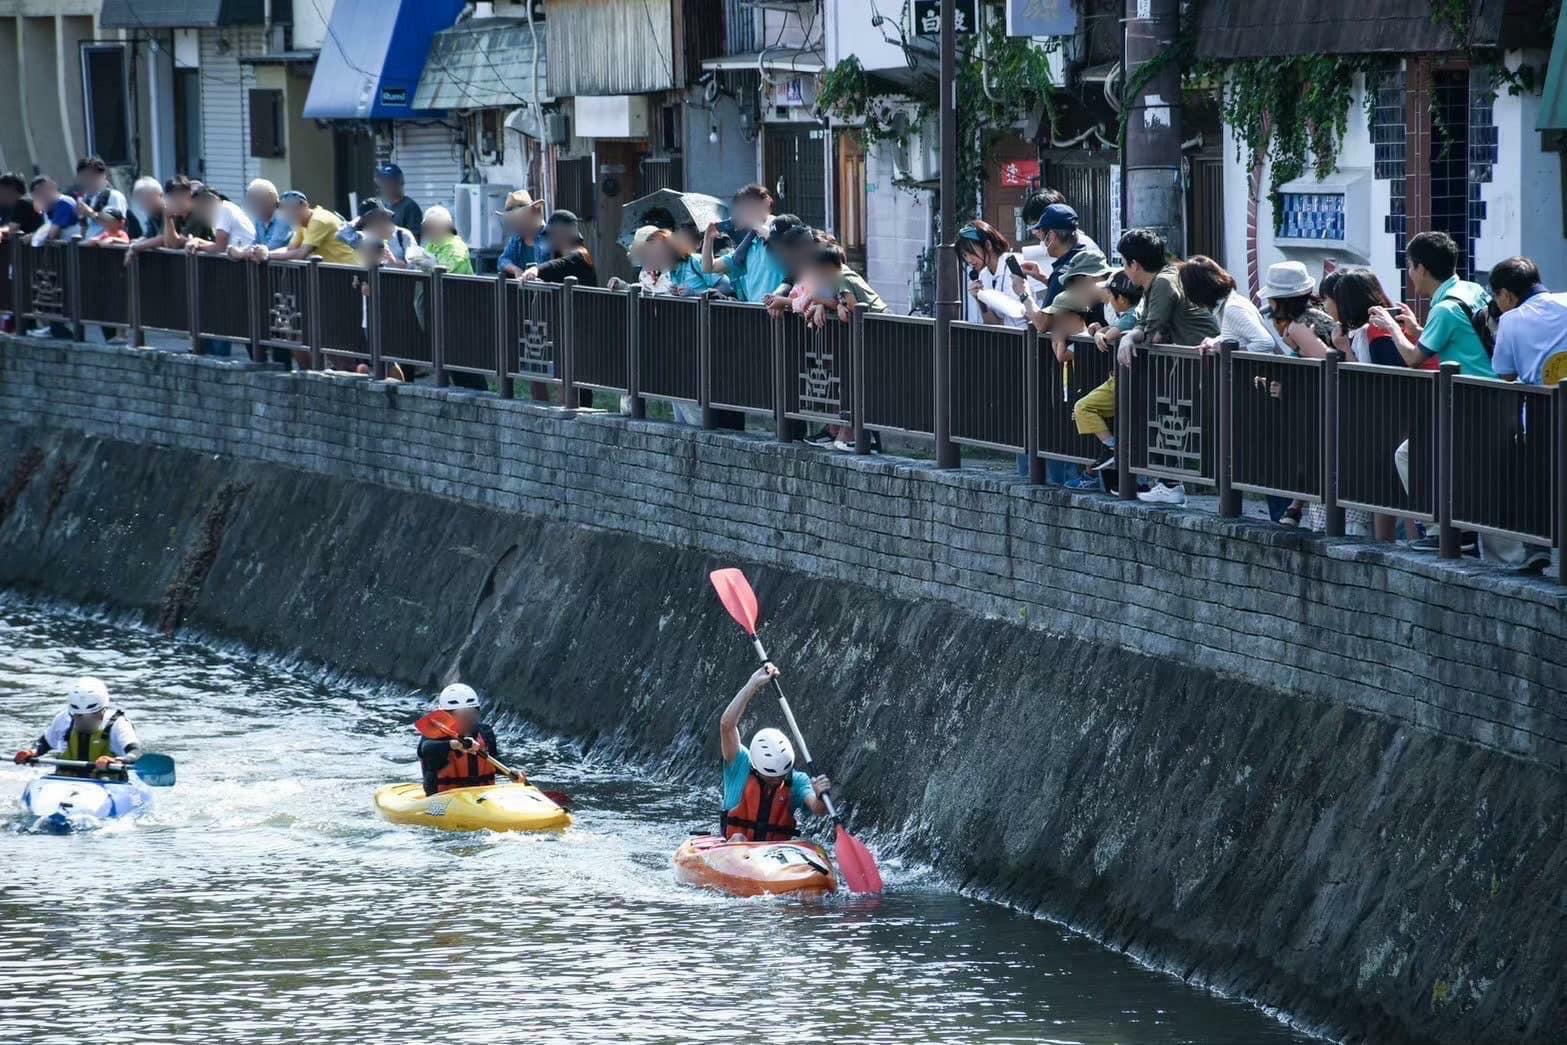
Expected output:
(1288, 279)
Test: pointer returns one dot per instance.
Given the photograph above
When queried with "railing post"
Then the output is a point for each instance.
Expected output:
(565, 344)
(373, 324)
(634, 352)
(1559, 475)
(1443, 481)
(1330, 507)
(947, 453)
(133, 300)
(780, 381)
(1224, 459)
(256, 300)
(313, 314)
(1031, 341)
(73, 290)
(704, 361)
(435, 315)
(192, 305)
(502, 377)
(862, 445)
(1125, 425)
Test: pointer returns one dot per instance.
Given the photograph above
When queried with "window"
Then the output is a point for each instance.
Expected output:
(107, 92)
(266, 123)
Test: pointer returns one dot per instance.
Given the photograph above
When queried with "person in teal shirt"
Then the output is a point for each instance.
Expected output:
(763, 792)
(753, 267)
(1431, 262)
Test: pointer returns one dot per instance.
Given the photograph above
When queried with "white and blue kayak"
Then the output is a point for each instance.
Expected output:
(62, 804)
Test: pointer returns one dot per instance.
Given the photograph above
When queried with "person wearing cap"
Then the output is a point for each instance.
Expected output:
(112, 221)
(231, 226)
(400, 247)
(1068, 249)
(1299, 325)
(315, 234)
(571, 254)
(96, 194)
(389, 183)
(442, 243)
(261, 202)
(1075, 305)
(527, 246)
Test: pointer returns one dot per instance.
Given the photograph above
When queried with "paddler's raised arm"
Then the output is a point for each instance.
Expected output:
(729, 724)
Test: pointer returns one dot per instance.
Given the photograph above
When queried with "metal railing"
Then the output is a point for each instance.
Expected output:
(1457, 453)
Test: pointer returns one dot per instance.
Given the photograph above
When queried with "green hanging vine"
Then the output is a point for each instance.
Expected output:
(1016, 72)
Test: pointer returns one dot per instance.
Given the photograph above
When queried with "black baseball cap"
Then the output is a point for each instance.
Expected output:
(563, 217)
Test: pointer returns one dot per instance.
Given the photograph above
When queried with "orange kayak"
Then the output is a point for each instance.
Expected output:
(755, 868)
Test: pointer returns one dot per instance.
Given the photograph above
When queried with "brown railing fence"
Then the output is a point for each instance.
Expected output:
(1459, 453)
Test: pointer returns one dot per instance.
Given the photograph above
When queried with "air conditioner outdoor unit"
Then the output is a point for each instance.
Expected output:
(475, 213)
(920, 159)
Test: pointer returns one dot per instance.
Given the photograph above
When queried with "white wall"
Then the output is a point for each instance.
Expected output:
(1523, 200)
(849, 31)
(898, 229)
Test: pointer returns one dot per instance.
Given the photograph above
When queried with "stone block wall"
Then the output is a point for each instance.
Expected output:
(1455, 649)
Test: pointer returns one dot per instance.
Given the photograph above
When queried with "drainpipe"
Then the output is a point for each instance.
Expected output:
(1152, 164)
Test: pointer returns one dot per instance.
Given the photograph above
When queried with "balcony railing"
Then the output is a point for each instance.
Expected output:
(1458, 453)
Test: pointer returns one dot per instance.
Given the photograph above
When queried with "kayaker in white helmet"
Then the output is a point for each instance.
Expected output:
(88, 730)
(762, 790)
(460, 762)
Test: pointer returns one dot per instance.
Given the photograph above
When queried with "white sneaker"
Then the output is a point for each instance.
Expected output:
(1159, 493)
(39, 332)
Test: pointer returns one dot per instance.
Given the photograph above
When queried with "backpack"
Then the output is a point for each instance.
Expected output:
(1483, 323)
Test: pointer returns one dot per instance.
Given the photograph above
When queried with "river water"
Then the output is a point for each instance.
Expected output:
(263, 901)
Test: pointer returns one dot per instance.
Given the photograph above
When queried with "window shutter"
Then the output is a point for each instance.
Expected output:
(266, 123)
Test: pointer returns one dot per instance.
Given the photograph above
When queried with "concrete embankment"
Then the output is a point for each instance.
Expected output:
(1324, 776)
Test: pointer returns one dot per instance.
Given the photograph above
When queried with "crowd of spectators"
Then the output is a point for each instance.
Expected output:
(1063, 285)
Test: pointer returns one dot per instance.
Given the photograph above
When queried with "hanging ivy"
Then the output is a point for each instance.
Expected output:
(1016, 71)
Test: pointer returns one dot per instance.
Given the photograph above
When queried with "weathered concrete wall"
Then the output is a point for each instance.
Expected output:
(1178, 774)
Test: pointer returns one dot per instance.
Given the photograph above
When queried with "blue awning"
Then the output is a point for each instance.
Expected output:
(373, 56)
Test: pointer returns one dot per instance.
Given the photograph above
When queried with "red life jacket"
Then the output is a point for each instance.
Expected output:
(465, 769)
(773, 798)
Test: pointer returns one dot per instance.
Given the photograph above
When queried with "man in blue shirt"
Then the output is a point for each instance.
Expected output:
(527, 246)
(59, 213)
(753, 267)
(763, 792)
(272, 229)
(1531, 337)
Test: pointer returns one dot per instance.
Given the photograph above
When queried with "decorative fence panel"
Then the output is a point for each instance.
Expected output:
(536, 351)
(1175, 423)
(47, 286)
(285, 305)
(816, 366)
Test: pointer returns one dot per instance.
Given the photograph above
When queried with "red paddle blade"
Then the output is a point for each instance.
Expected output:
(560, 798)
(438, 725)
(734, 591)
(856, 864)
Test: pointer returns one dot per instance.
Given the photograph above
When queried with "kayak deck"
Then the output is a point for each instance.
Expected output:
(492, 807)
(61, 804)
(755, 868)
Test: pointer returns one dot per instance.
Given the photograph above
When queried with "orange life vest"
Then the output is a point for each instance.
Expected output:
(774, 799)
(466, 769)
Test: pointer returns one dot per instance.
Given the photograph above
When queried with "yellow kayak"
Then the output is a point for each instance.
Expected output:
(493, 807)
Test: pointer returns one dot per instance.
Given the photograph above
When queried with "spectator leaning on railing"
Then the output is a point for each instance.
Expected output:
(261, 202)
(443, 244)
(92, 181)
(1208, 285)
(231, 227)
(315, 234)
(144, 220)
(527, 245)
(59, 213)
(1094, 412)
(1167, 316)
(753, 268)
(1299, 324)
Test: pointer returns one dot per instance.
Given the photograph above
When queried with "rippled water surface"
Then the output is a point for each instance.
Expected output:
(262, 901)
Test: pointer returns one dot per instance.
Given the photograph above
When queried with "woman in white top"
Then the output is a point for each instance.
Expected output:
(231, 226)
(1209, 286)
(984, 252)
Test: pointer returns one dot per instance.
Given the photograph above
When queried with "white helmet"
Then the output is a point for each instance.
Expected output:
(87, 696)
(771, 753)
(457, 695)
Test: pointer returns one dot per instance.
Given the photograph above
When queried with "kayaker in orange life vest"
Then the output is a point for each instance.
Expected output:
(762, 790)
(460, 763)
